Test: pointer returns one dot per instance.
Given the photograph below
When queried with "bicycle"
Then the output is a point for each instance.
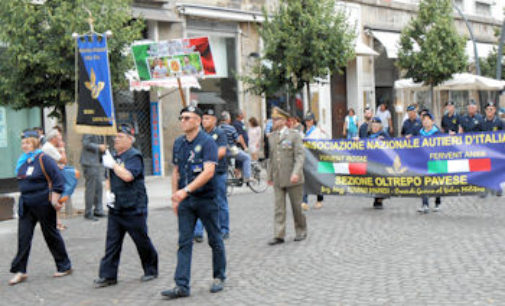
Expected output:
(258, 174)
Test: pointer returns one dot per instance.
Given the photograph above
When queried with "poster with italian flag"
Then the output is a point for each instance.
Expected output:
(442, 165)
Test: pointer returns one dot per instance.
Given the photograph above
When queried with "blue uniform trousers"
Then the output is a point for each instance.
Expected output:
(222, 201)
(136, 227)
(207, 210)
(46, 215)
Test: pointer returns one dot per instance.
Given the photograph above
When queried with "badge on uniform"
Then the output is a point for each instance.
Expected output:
(196, 168)
(214, 136)
(198, 148)
(29, 170)
(287, 144)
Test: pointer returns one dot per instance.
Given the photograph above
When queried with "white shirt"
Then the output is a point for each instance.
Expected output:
(51, 151)
(385, 116)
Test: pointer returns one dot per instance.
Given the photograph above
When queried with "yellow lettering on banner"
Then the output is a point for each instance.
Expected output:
(484, 138)
(445, 180)
(88, 111)
(334, 146)
(354, 180)
(446, 155)
(475, 154)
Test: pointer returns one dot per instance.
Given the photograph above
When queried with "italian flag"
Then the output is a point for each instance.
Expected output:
(342, 168)
(459, 165)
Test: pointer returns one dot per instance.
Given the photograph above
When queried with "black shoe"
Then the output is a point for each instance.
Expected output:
(377, 205)
(175, 293)
(103, 282)
(301, 237)
(146, 278)
(217, 285)
(91, 218)
(276, 241)
(226, 236)
(198, 239)
(99, 215)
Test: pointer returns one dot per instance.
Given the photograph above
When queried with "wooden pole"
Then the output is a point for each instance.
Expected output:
(181, 93)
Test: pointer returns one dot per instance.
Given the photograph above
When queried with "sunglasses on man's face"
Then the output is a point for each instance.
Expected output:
(185, 118)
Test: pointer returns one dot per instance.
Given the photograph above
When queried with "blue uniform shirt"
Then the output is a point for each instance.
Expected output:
(220, 138)
(492, 125)
(411, 127)
(471, 124)
(363, 130)
(131, 197)
(240, 127)
(450, 123)
(190, 156)
(33, 184)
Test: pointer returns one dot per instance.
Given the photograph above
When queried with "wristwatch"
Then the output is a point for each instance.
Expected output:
(188, 191)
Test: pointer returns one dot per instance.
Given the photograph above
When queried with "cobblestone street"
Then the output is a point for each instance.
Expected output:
(353, 255)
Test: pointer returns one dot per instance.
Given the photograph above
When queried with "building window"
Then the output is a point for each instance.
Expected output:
(483, 9)
(460, 99)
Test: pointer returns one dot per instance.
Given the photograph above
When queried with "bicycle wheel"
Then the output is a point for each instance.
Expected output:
(229, 185)
(259, 174)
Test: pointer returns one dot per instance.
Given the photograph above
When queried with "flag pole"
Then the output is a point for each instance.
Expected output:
(184, 104)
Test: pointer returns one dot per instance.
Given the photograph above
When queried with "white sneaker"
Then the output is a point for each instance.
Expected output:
(424, 209)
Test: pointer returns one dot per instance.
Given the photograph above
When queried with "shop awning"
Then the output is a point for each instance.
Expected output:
(214, 12)
(158, 14)
(363, 50)
(459, 81)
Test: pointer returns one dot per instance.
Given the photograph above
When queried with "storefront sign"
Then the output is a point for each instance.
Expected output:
(173, 58)
(436, 166)
(3, 128)
(156, 139)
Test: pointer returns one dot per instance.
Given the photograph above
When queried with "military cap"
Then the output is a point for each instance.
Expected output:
(279, 113)
(210, 112)
(126, 129)
(376, 120)
(472, 102)
(411, 108)
(428, 114)
(29, 133)
(310, 116)
(449, 103)
(191, 109)
(490, 103)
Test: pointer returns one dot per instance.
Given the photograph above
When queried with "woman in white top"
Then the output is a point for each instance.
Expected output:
(254, 133)
(351, 124)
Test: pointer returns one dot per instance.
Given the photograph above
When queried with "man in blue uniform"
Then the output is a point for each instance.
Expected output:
(127, 210)
(472, 121)
(209, 123)
(412, 125)
(450, 121)
(492, 122)
(377, 131)
(363, 129)
(195, 156)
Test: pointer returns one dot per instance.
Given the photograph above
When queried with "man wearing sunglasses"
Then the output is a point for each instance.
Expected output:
(195, 155)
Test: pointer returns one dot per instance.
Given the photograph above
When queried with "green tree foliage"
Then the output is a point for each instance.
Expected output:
(303, 40)
(441, 49)
(37, 61)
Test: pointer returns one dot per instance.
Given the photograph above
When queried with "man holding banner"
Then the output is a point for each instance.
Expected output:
(285, 173)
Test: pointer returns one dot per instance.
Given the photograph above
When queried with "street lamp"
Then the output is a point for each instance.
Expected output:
(470, 30)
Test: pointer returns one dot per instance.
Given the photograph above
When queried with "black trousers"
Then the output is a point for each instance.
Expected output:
(46, 215)
(136, 227)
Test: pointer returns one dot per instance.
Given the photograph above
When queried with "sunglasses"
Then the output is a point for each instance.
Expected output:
(185, 118)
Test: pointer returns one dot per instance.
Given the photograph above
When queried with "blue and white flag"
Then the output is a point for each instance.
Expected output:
(95, 107)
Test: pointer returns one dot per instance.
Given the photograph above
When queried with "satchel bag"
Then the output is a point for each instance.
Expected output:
(48, 179)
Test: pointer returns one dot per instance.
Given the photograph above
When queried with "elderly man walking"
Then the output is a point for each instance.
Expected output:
(285, 173)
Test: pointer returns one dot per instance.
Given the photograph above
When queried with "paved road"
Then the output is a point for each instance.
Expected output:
(353, 256)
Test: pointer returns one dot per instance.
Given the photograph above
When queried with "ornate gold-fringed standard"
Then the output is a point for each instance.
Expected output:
(95, 106)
